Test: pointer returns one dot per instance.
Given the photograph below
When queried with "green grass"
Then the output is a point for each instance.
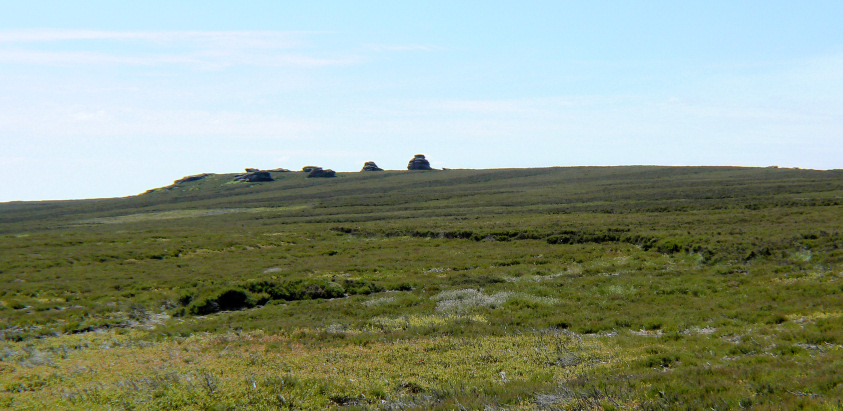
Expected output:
(616, 287)
(173, 214)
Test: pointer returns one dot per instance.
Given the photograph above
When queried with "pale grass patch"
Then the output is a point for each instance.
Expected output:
(533, 278)
(463, 300)
(574, 269)
(535, 299)
(646, 333)
(374, 302)
(467, 299)
(617, 289)
(174, 214)
(802, 256)
(208, 370)
(806, 276)
(707, 330)
(405, 322)
(601, 263)
(816, 315)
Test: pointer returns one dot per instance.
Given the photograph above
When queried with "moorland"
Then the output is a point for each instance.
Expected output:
(545, 288)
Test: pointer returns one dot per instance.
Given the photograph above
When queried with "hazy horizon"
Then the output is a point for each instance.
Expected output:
(112, 99)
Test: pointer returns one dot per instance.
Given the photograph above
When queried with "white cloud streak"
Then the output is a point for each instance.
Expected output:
(219, 59)
(252, 39)
(404, 47)
(207, 50)
(89, 121)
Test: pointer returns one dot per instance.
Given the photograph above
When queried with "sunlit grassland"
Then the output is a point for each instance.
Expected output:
(612, 287)
(173, 214)
(260, 370)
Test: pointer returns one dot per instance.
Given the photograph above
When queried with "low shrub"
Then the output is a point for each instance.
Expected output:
(228, 300)
(311, 290)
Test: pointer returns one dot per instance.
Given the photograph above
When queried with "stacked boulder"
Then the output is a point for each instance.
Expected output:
(371, 166)
(419, 163)
(253, 175)
(319, 172)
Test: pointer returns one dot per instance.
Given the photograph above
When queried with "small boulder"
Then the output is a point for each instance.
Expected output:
(319, 172)
(195, 177)
(419, 163)
(371, 166)
(252, 170)
(308, 169)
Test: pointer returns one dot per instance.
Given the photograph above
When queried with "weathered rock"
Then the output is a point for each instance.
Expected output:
(254, 177)
(308, 169)
(195, 177)
(419, 163)
(252, 170)
(371, 166)
(319, 172)
(279, 170)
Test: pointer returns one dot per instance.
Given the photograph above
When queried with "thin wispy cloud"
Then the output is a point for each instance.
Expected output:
(404, 47)
(122, 123)
(254, 39)
(511, 106)
(83, 57)
(205, 49)
(204, 60)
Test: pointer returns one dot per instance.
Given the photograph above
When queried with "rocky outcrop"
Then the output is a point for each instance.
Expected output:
(319, 172)
(252, 170)
(195, 177)
(419, 163)
(371, 166)
(279, 170)
(308, 169)
(254, 177)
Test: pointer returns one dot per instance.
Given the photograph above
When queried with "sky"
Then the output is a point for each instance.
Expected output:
(112, 98)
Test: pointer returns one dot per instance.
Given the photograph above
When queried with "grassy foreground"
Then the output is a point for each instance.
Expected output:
(571, 288)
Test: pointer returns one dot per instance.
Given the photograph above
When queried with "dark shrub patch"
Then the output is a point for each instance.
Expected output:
(228, 300)
(312, 290)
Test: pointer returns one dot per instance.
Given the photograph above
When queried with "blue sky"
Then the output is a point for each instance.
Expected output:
(110, 98)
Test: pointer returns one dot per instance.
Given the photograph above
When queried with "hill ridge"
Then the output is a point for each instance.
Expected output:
(547, 189)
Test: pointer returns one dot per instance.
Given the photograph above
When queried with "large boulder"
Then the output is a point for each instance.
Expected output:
(254, 177)
(419, 163)
(319, 172)
(371, 166)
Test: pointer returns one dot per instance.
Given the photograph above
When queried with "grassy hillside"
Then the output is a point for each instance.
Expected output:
(587, 287)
